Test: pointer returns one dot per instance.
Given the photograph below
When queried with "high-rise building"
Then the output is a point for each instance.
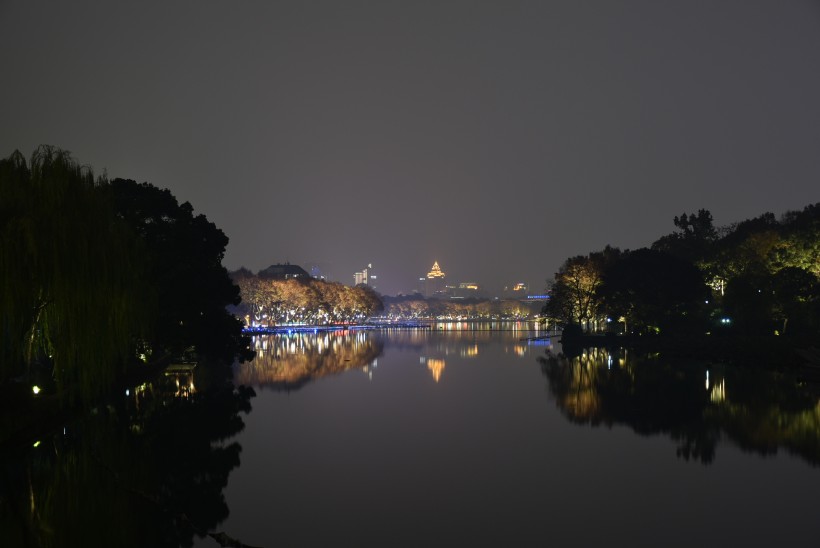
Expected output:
(366, 277)
(360, 277)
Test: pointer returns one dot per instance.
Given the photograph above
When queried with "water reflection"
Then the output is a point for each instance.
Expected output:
(147, 470)
(435, 366)
(469, 339)
(692, 403)
(290, 361)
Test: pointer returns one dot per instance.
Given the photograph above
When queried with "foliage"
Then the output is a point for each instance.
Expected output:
(71, 273)
(763, 273)
(185, 267)
(272, 301)
(800, 240)
(786, 302)
(692, 240)
(574, 297)
(653, 291)
(417, 307)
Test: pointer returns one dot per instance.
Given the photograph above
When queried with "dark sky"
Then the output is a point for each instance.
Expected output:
(498, 138)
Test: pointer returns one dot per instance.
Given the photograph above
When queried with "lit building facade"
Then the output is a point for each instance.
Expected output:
(517, 290)
(366, 277)
(466, 290)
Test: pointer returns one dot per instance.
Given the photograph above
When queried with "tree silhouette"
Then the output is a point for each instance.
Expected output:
(185, 267)
(71, 274)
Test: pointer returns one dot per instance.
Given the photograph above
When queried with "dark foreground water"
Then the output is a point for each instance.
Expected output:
(451, 437)
(459, 438)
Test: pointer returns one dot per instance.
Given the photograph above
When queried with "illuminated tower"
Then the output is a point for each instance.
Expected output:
(434, 285)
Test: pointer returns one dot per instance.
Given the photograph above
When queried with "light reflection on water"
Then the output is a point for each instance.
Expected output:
(288, 361)
(469, 435)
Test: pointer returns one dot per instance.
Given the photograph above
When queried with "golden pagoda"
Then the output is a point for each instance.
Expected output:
(432, 285)
(436, 272)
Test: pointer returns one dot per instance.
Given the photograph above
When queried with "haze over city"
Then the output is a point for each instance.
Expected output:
(495, 138)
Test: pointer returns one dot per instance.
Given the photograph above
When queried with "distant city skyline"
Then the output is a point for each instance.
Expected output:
(328, 272)
(368, 276)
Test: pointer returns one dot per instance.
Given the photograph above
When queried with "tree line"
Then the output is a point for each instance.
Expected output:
(760, 276)
(269, 301)
(417, 307)
(98, 274)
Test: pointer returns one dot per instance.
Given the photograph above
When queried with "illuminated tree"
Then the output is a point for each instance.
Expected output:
(800, 243)
(574, 292)
(796, 299)
(307, 301)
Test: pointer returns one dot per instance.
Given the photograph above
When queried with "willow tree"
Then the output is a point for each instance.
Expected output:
(70, 272)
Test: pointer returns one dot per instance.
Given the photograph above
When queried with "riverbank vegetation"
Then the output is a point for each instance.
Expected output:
(268, 302)
(417, 307)
(99, 277)
(752, 279)
(271, 301)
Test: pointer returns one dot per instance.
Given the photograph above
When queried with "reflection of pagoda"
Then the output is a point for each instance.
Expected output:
(434, 282)
(436, 366)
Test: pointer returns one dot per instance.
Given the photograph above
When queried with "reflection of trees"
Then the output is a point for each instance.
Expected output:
(765, 412)
(455, 338)
(124, 476)
(598, 387)
(759, 412)
(289, 361)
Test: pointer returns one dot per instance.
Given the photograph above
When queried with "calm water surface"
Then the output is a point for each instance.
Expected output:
(455, 437)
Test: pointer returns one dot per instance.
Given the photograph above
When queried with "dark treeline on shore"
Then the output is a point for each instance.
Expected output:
(103, 283)
(752, 279)
(100, 277)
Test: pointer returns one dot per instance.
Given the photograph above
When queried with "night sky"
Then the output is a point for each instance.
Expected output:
(497, 138)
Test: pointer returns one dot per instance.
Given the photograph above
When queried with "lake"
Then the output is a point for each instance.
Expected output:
(460, 435)
(471, 434)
